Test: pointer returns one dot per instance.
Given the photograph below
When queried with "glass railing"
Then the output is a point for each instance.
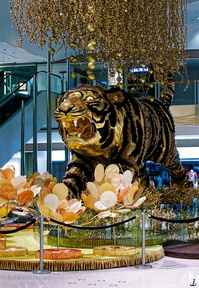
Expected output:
(186, 93)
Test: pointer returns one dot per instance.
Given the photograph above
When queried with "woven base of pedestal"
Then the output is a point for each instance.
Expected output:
(87, 262)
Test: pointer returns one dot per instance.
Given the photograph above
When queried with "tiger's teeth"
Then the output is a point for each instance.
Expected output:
(75, 122)
(64, 124)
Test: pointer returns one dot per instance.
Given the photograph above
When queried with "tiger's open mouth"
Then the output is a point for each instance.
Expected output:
(80, 127)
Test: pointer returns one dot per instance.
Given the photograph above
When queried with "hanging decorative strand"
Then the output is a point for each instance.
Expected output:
(122, 33)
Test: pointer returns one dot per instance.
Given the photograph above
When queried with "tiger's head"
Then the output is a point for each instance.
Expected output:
(88, 120)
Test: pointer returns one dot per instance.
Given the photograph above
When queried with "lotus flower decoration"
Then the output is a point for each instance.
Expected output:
(112, 193)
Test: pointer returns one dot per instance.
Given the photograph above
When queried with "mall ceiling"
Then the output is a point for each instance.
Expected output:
(11, 53)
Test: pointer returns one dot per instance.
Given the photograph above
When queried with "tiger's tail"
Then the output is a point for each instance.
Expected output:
(168, 92)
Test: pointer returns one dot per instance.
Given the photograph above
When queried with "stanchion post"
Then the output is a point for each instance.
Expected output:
(143, 265)
(41, 254)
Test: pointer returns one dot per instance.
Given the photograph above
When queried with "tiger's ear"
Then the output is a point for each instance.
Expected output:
(59, 100)
(115, 95)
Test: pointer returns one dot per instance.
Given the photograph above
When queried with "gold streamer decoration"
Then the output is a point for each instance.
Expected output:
(122, 33)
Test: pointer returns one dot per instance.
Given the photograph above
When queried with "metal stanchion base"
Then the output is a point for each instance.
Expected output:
(145, 266)
(41, 271)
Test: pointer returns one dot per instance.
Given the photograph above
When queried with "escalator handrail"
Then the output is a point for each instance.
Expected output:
(11, 95)
(15, 74)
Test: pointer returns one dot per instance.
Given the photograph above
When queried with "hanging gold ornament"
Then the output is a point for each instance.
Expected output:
(119, 69)
(134, 78)
(119, 54)
(91, 47)
(91, 65)
(52, 51)
(91, 77)
(91, 58)
(74, 75)
(122, 33)
(52, 38)
(90, 9)
(73, 59)
(133, 89)
(92, 41)
(119, 85)
(142, 80)
(73, 45)
(119, 79)
(112, 74)
(150, 85)
(91, 27)
(89, 72)
(42, 43)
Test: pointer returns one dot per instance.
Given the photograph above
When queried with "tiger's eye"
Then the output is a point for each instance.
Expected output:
(89, 98)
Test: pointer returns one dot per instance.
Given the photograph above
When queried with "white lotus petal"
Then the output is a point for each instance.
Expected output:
(92, 188)
(139, 201)
(112, 170)
(19, 181)
(99, 172)
(108, 198)
(99, 206)
(51, 201)
(75, 207)
(127, 178)
(104, 214)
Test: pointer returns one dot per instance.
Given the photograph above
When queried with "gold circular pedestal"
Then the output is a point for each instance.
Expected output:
(13, 252)
(62, 253)
(88, 261)
(114, 250)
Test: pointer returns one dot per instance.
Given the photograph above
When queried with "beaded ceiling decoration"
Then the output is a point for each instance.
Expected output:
(122, 33)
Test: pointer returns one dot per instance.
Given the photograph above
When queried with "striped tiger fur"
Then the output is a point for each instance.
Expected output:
(113, 126)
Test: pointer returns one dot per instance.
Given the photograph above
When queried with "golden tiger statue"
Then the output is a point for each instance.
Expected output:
(113, 126)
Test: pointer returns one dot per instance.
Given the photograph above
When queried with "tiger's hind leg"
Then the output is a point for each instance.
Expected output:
(179, 178)
(143, 176)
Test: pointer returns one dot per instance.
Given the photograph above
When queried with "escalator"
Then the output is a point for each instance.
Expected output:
(14, 88)
(11, 112)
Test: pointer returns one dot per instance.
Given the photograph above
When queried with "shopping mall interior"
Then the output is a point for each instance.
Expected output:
(30, 142)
